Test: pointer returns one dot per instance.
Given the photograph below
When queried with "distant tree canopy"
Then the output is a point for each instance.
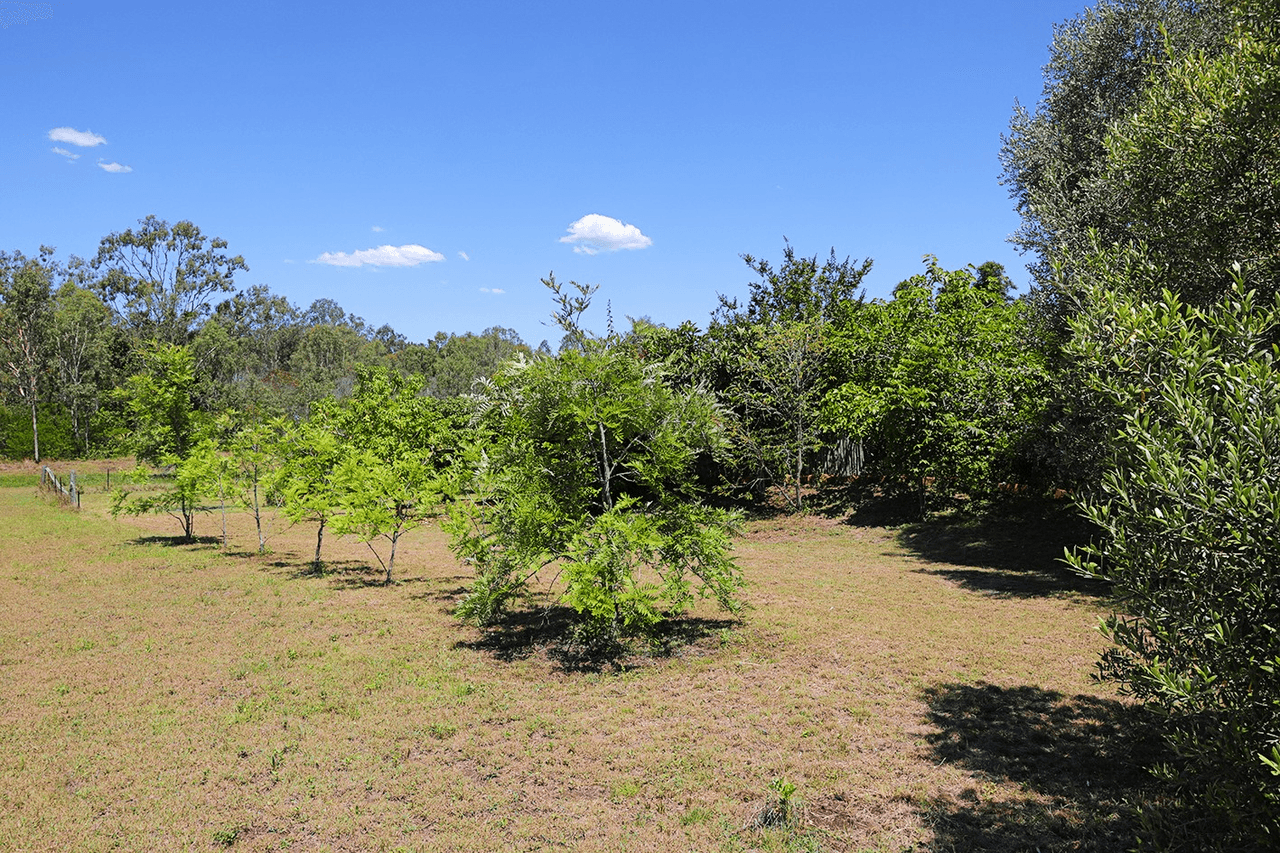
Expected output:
(72, 333)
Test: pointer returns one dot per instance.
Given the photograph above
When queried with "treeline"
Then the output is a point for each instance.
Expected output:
(73, 332)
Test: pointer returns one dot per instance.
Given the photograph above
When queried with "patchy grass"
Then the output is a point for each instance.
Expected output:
(168, 696)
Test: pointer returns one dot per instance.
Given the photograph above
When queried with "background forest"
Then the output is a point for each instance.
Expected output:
(1138, 375)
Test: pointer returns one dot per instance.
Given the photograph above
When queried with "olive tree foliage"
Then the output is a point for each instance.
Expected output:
(1054, 158)
(161, 280)
(584, 473)
(1195, 168)
(1189, 510)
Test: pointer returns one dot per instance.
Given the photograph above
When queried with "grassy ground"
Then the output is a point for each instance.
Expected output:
(164, 696)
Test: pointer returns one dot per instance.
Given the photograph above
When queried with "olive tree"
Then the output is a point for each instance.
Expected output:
(1188, 512)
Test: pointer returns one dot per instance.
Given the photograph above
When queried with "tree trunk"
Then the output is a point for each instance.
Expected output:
(391, 561)
(222, 504)
(257, 518)
(35, 427)
(319, 539)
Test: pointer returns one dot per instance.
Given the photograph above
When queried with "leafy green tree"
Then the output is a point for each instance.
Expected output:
(768, 362)
(165, 429)
(160, 279)
(1189, 510)
(586, 468)
(255, 449)
(396, 472)
(81, 341)
(945, 381)
(311, 453)
(1195, 168)
(196, 474)
(26, 310)
(1054, 158)
(162, 420)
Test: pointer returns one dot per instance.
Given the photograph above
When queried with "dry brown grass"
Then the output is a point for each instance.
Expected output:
(159, 696)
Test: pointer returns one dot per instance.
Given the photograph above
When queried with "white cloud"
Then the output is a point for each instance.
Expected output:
(383, 256)
(492, 290)
(595, 233)
(114, 167)
(464, 256)
(377, 229)
(65, 153)
(71, 136)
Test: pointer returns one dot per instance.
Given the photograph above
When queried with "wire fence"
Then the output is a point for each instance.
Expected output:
(68, 493)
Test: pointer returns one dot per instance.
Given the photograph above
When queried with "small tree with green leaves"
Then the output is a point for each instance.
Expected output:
(255, 448)
(586, 469)
(397, 468)
(310, 455)
(166, 430)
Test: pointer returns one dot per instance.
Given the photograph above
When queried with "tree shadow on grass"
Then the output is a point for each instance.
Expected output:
(344, 574)
(1079, 763)
(556, 632)
(177, 541)
(1015, 551)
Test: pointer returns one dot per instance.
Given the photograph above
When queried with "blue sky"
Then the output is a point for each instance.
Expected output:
(469, 137)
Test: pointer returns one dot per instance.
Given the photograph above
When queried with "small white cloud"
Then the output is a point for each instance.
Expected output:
(65, 153)
(595, 233)
(383, 256)
(464, 256)
(492, 290)
(71, 136)
(115, 168)
(377, 229)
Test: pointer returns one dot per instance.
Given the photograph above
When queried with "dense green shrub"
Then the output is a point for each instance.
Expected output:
(1190, 512)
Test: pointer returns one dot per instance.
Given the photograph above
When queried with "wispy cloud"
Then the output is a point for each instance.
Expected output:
(464, 256)
(81, 138)
(23, 13)
(115, 168)
(595, 233)
(65, 153)
(383, 256)
(377, 229)
(492, 290)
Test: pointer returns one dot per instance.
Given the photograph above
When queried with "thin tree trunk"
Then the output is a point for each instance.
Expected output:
(35, 427)
(319, 539)
(391, 562)
(222, 504)
(257, 517)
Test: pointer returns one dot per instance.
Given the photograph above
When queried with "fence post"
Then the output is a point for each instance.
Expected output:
(75, 492)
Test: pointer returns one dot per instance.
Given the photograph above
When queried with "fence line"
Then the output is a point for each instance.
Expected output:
(68, 495)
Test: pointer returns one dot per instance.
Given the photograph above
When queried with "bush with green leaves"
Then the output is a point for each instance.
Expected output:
(1190, 519)
(947, 380)
(585, 473)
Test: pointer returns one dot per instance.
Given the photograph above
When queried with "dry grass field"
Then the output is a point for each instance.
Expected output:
(920, 691)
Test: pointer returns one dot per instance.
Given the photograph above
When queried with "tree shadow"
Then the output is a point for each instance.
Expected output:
(1080, 765)
(557, 633)
(449, 590)
(1014, 551)
(177, 541)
